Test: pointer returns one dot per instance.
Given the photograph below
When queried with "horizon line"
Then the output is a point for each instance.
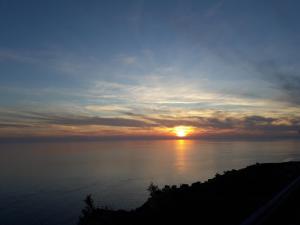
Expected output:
(36, 139)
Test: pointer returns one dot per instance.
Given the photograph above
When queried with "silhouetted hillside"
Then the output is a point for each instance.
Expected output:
(226, 199)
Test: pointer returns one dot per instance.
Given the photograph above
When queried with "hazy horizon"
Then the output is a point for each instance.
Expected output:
(11, 140)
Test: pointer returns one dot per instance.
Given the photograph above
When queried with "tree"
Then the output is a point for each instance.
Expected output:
(153, 189)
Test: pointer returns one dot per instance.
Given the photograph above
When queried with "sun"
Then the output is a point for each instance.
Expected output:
(182, 131)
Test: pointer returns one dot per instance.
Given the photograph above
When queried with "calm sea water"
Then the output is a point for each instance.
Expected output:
(45, 183)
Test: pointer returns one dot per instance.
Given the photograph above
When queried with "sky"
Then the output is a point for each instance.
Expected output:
(141, 69)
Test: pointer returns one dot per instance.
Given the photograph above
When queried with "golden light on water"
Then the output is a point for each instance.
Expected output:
(182, 131)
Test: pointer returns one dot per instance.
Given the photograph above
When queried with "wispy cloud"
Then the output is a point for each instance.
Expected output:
(10, 55)
(214, 124)
(129, 60)
(52, 58)
(284, 77)
(84, 121)
(107, 108)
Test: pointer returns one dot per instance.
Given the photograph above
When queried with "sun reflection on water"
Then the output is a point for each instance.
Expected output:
(181, 150)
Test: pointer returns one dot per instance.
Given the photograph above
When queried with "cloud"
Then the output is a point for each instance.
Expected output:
(85, 120)
(127, 60)
(283, 77)
(220, 122)
(108, 108)
(167, 91)
(95, 126)
(217, 123)
(14, 125)
(9, 55)
(290, 85)
(59, 60)
(214, 9)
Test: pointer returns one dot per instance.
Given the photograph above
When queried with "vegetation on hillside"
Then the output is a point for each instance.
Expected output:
(226, 199)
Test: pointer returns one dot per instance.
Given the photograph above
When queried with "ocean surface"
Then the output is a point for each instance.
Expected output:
(45, 183)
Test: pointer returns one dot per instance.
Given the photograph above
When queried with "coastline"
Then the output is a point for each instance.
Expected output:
(229, 198)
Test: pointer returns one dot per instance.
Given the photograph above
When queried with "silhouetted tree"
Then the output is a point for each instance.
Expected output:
(89, 212)
(153, 189)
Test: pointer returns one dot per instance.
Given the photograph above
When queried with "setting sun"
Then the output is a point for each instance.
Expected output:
(182, 131)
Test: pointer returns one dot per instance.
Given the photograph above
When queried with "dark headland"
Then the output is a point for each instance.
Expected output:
(259, 194)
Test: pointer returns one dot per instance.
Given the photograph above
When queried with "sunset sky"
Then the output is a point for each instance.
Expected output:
(139, 69)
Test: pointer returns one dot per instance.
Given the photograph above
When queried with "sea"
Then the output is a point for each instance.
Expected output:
(46, 183)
